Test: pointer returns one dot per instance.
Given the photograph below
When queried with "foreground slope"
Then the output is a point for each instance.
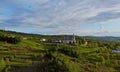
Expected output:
(32, 55)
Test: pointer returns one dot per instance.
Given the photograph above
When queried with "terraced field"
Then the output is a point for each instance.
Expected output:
(31, 55)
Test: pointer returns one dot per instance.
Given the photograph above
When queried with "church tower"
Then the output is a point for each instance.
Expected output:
(73, 38)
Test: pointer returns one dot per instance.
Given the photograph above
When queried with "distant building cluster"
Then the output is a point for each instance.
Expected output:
(66, 40)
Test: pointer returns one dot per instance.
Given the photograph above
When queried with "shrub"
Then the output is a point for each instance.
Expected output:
(10, 39)
(2, 65)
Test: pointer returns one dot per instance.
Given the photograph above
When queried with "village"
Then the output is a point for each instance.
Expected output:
(65, 39)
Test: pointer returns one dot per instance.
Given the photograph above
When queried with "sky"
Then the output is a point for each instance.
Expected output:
(48, 17)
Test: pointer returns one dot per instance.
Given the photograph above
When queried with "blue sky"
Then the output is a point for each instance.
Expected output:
(81, 17)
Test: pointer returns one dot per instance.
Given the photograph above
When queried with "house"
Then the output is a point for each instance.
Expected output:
(24, 38)
(43, 40)
(57, 41)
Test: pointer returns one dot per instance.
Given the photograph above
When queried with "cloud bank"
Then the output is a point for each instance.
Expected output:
(60, 16)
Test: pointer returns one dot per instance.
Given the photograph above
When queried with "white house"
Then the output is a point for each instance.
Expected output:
(43, 40)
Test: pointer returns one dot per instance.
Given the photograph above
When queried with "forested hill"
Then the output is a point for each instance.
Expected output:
(92, 37)
(18, 33)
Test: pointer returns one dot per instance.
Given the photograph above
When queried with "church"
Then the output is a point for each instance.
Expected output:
(66, 40)
(70, 40)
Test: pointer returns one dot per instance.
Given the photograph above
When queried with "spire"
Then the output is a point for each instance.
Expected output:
(73, 36)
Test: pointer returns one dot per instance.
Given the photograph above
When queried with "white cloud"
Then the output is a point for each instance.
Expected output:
(59, 14)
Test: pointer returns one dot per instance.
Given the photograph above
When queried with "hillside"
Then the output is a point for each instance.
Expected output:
(30, 54)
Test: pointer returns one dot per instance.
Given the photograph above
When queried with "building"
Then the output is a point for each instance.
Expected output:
(57, 41)
(69, 40)
(43, 40)
(66, 40)
(24, 38)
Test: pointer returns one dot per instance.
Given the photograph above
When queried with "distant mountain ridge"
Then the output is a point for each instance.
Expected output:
(105, 37)
(31, 34)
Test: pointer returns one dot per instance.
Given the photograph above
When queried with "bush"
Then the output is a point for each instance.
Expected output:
(2, 65)
(10, 39)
